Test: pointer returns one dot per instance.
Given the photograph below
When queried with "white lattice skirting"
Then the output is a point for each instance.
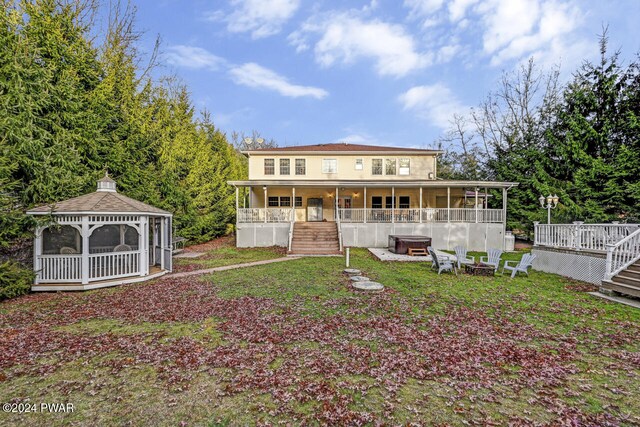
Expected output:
(585, 266)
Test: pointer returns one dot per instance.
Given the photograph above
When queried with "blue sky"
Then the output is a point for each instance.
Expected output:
(377, 72)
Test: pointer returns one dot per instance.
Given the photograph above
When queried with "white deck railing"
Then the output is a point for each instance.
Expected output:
(578, 236)
(416, 215)
(59, 268)
(106, 266)
(622, 254)
(265, 215)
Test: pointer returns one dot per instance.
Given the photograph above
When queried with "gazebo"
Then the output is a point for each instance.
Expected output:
(100, 239)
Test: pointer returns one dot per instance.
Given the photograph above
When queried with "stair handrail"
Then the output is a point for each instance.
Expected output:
(622, 254)
(291, 234)
(339, 233)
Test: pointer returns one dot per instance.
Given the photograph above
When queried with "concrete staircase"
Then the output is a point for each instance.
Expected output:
(625, 282)
(315, 238)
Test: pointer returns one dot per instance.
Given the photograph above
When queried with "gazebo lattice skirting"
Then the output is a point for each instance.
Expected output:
(101, 239)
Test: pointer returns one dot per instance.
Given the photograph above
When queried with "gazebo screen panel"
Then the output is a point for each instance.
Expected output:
(62, 239)
(113, 238)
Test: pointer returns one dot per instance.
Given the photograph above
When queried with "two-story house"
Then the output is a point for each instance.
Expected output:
(320, 198)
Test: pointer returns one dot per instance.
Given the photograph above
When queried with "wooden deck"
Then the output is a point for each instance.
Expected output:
(154, 272)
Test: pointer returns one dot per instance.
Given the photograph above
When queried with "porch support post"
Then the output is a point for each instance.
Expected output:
(85, 250)
(504, 205)
(336, 204)
(448, 204)
(293, 204)
(237, 201)
(393, 204)
(420, 210)
(365, 204)
(37, 252)
(265, 203)
(476, 206)
(122, 230)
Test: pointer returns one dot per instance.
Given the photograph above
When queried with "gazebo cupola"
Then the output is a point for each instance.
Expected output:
(100, 239)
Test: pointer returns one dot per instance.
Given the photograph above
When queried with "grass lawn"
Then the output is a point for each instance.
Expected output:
(293, 343)
(227, 255)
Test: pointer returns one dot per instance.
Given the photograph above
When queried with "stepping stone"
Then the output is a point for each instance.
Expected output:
(360, 279)
(189, 255)
(368, 286)
(351, 271)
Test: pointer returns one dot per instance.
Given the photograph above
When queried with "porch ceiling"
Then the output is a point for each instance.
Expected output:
(374, 184)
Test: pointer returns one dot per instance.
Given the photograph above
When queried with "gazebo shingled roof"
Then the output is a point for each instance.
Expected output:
(99, 202)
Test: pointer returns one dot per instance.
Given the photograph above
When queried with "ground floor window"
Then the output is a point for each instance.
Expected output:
(298, 201)
(285, 201)
(274, 202)
(376, 202)
(404, 202)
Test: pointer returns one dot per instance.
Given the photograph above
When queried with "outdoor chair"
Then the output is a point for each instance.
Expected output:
(122, 248)
(461, 255)
(492, 258)
(66, 250)
(442, 263)
(521, 266)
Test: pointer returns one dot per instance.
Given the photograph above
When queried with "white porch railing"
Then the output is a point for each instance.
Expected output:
(265, 215)
(59, 268)
(622, 254)
(413, 215)
(113, 265)
(578, 236)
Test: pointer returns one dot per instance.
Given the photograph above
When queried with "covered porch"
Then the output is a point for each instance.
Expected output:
(373, 202)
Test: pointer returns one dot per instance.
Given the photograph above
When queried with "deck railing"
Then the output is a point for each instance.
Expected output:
(416, 215)
(265, 215)
(622, 254)
(578, 236)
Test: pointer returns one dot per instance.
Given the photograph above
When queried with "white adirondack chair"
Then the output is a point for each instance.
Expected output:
(492, 258)
(442, 263)
(521, 266)
(461, 255)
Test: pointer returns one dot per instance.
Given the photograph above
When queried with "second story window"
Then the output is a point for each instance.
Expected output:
(301, 167)
(269, 166)
(284, 166)
(376, 167)
(390, 168)
(329, 165)
(404, 167)
(359, 164)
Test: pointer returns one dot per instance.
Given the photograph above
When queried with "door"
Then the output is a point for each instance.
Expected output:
(345, 203)
(314, 209)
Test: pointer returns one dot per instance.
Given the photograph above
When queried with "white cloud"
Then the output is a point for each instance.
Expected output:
(435, 103)
(262, 18)
(423, 7)
(193, 57)
(346, 37)
(256, 76)
(502, 30)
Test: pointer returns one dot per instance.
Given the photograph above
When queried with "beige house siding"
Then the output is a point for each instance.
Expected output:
(420, 167)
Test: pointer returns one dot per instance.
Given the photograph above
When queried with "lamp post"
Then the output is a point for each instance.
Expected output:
(552, 203)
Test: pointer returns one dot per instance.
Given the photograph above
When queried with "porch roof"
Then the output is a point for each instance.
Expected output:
(373, 184)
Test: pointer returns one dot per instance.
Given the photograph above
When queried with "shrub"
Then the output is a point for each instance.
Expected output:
(15, 280)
